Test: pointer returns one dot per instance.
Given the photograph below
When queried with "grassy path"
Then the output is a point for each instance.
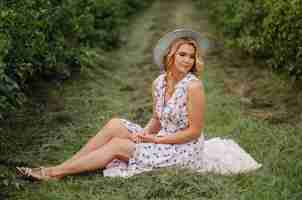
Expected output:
(118, 84)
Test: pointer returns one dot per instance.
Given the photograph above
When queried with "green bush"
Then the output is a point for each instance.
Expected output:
(282, 29)
(270, 29)
(45, 37)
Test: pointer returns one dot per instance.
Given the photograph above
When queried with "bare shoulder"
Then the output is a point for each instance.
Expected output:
(196, 94)
(195, 86)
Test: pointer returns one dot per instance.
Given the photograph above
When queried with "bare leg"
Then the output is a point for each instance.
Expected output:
(114, 128)
(116, 148)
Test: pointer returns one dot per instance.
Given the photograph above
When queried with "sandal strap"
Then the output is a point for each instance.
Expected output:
(27, 171)
(41, 173)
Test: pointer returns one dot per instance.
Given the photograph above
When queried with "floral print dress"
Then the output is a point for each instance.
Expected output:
(173, 117)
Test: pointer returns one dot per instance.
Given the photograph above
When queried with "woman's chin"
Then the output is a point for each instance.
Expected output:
(182, 70)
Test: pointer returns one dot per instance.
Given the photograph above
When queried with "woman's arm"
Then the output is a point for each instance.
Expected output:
(196, 111)
(153, 126)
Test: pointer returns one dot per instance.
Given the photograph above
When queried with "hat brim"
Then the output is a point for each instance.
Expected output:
(163, 44)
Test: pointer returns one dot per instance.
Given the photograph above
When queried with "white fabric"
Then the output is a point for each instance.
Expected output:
(225, 156)
(220, 156)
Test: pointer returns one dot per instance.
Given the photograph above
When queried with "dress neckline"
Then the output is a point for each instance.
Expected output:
(165, 102)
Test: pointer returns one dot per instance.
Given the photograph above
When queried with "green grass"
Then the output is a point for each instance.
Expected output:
(118, 84)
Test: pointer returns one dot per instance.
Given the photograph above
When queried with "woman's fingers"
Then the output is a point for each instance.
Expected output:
(138, 138)
(147, 138)
(132, 138)
(135, 138)
(142, 137)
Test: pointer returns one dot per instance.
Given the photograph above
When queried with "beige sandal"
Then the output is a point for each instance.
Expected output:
(35, 173)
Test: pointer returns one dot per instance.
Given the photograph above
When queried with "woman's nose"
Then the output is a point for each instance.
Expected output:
(187, 59)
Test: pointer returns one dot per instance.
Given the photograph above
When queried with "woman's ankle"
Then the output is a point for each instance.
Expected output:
(54, 172)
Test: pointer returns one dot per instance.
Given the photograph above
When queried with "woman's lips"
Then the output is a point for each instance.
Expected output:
(186, 65)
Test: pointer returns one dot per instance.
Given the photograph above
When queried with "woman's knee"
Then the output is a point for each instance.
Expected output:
(116, 128)
(114, 123)
(122, 146)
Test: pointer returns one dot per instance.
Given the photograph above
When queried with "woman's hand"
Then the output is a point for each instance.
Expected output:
(148, 138)
(134, 137)
(144, 136)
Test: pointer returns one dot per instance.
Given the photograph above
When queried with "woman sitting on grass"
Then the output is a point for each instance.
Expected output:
(174, 134)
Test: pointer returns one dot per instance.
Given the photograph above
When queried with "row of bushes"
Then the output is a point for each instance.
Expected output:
(43, 37)
(270, 29)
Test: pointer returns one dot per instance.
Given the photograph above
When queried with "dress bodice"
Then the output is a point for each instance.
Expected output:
(173, 113)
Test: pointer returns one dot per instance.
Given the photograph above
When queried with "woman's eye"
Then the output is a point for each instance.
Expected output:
(182, 54)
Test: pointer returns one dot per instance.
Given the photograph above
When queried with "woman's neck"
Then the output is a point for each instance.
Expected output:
(175, 77)
(172, 80)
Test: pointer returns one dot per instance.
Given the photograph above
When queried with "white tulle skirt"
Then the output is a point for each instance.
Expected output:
(225, 156)
(219, 156)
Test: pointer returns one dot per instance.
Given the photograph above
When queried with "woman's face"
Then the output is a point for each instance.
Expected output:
(184, 58)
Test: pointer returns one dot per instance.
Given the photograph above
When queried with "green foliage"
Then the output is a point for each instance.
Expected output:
(270, 29)
(282, 34)
(45, 38)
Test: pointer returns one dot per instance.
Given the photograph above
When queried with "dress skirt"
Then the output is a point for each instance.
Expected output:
(215, 155)
(148, 156)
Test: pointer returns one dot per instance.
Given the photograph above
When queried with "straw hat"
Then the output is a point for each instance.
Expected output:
(162, 46)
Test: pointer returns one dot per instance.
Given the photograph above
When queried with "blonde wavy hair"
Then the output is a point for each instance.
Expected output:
(169, 58)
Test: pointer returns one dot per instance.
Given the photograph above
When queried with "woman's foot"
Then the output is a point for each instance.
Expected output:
(40, 173)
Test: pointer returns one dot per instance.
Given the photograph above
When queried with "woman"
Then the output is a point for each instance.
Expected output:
(172, 137)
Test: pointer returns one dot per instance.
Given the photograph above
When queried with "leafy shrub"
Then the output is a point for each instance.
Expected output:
(270, 29)
(45, 37)
(282, 30)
